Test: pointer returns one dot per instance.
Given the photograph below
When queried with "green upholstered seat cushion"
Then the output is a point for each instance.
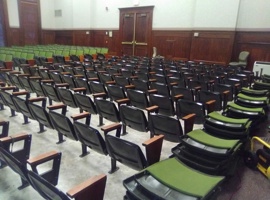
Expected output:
(178, 176)
(219, 117)
(254, 91)
(234, 105)
(209, 140)
(252, 98)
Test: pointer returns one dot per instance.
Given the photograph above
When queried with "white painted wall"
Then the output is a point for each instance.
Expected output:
(254, 15)
(13, 13)
(216, 14)
(47, 14)
(168, 14)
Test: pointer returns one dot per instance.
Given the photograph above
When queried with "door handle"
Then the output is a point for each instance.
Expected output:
(141, 43)
(127, 42)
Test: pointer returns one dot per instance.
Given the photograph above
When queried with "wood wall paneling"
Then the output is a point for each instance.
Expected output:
(64, 37)
(172, 43)
(48, 37)
(257, 43)
(14, 37)
(81, 38)
(212, 46)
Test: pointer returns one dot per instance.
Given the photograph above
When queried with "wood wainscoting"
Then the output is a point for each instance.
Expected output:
(210, 46)
(257, 43)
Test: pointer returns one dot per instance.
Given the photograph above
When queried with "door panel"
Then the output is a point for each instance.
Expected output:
(136, 30)
(30, 22)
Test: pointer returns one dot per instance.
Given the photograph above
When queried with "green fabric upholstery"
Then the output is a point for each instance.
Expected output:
(243, 96)
(259, 92)
(255, 110)
(178, 176)
(209, 140)
(219, 117)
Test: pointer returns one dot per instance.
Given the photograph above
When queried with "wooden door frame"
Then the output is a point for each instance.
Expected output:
(137, 9)
(20, 2)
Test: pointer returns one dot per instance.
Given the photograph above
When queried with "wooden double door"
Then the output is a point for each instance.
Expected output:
(136, 31)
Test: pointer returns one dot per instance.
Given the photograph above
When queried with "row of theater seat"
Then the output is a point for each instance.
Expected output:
(232, 147)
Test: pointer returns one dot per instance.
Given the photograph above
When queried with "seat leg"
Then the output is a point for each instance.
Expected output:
(114, 168)
(24, 184)
(12, 113)
(124, 129)
(25, 120)
(1, 107)
(84, 151)
(100, 121)
(88, 120)
(60, 138)
(41, 128)
(2, 164)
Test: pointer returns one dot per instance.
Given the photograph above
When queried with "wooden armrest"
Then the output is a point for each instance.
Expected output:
(8, 88)
(188, 122)
(153, 148)
(101, 94)
(91, 188)
(152, 91)
(62, 85)
(35, 77)
(15, 72)
(43, 158)
(36, 99)
(152, 80)
(122, 101)
(173, 83)
(111, 127)
(198, 88)
(110, 82)
(178, 96)
(133, 77)
(237, 85)
(80, 116)
(93, 79)
(129, 86)
(19, 75)
(56, 106)
(82, 89)
(16, 137)
(6, 70)
(152, 108)
(47, 81)
(20, 93)
(210, 106)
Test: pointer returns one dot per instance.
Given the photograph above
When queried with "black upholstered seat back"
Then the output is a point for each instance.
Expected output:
(63, 125)
(204, 96)
(185, 107)
(41, 115)
(51, 92)
(83, 83)
(187, 93)
(133, 118)
(138, 98)
(16, 165)
(169, 127)
(37, 88)
(125, 152)
(97, 87)
(116, 92)
(164, 103)
(46, 189)
(107, 110)
(8, 98)
(91, 137)
(67, 97)
(85, 103)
